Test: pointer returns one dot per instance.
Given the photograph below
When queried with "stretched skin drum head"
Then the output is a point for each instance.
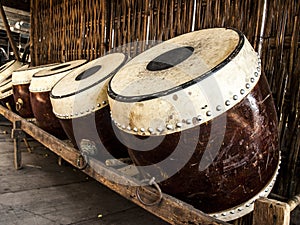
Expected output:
(45, 79)
(24, 74)
(197, 114)
(7, 69)
(80, 101)
(6, 94)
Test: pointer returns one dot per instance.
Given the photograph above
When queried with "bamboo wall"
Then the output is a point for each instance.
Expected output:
(64, 30)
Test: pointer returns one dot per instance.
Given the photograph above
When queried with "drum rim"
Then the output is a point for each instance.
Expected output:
(36, 67)
(126, 58)
(187, 84)
(84, 61)
(7, 65)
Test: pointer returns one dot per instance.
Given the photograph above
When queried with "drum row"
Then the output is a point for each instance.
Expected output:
(195, 113)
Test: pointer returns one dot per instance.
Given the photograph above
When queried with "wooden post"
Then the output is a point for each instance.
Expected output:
(10, 38)
(17, 134)
(271, 212)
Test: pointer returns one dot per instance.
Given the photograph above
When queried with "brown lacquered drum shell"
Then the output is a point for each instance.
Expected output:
(103, 138)
(244, 164)
(21, 96)
(44, 115)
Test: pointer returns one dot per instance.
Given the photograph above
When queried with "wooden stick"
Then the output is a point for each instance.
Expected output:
(8, 31)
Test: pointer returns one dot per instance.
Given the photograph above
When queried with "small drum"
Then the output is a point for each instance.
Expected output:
(40, 87)
(21, 80)
(7, 69)
(79, 100)
(6, 94)
(197, 115)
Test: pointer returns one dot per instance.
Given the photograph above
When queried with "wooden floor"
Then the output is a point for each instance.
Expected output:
(45, 193)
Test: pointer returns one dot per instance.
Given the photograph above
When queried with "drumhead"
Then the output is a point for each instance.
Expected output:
(183, 82)
(7, 69)
(6, 88)
(176, 62)
(45, 79)
(84, 90)
(25, 73)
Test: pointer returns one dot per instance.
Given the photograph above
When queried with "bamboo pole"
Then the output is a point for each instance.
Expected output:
(10, 38)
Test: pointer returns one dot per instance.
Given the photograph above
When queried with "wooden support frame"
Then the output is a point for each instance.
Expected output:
(266, 211)
(273, 212)
(169, 209)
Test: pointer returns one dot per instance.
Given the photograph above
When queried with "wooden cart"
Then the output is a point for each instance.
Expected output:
(170, 209)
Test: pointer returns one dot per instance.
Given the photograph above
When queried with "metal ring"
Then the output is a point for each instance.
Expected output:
(19, 104)
(151, 182)
(82, 158)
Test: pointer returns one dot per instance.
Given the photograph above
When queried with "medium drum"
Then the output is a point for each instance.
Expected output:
(21, 80)
(80, 102)
(197, 114)
(40, 87)
(6, 95)
(7, 69)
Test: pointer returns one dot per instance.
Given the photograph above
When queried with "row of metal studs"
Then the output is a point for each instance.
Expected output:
(21, 82)
(199, 117)
(69, 116)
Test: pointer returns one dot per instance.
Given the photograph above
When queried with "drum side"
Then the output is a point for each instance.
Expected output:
(95, 130)
(229, 159)
(22, 97)
(42, 110)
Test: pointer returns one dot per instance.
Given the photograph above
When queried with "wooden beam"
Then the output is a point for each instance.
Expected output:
(11, 40)
(271, 212)
(169, 209)
(294, 202)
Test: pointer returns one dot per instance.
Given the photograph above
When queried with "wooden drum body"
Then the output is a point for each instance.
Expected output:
(80, 102)
(21, 79)
(40, 87)
(197, 114)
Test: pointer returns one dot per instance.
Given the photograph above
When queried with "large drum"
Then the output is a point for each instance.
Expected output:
(21, 80)
(80, 102)
(6, 95)
(197, 115)
(8, 68)
(40, 87)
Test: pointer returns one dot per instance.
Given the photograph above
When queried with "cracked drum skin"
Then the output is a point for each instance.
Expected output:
(210, 136)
